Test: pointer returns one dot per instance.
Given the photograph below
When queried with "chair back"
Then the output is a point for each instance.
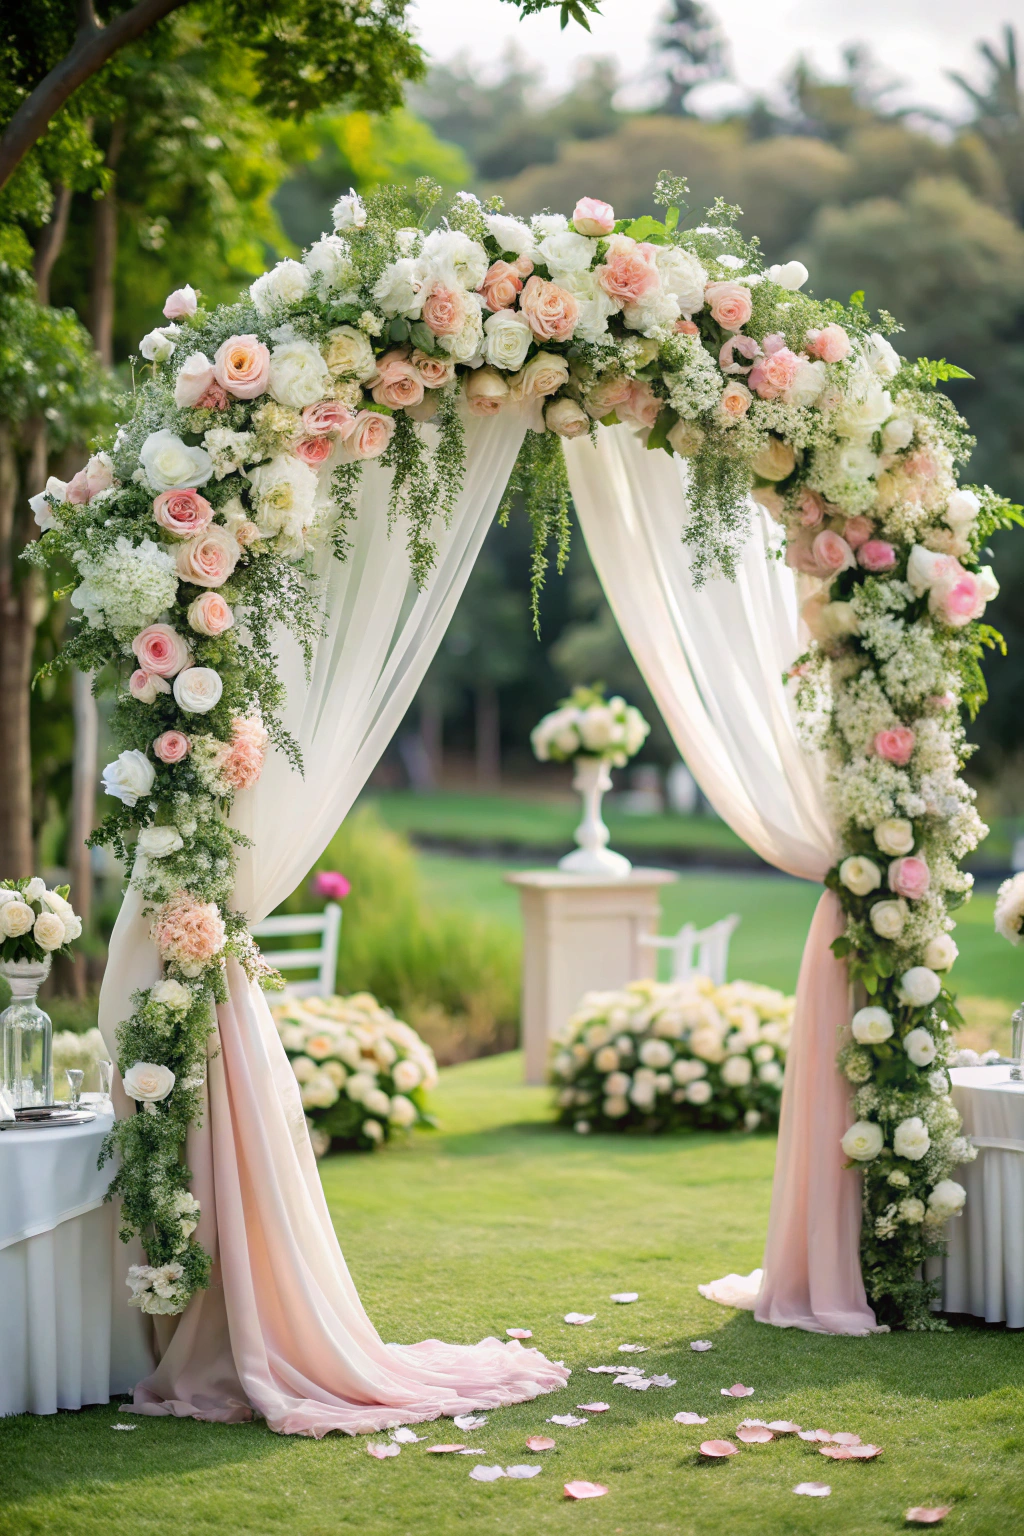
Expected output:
(325, 957)
(698, 951)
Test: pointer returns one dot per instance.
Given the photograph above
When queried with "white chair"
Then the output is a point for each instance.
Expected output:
(326, 923)
(698, 951)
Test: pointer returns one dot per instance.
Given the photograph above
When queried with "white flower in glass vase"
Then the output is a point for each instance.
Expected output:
(48, 931)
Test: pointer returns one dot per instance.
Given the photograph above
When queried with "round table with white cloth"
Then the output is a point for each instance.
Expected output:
(67, 1335)
(983, 1272)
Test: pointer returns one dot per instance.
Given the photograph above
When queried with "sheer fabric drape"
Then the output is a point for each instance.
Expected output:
(281, 1330)
(714, 660)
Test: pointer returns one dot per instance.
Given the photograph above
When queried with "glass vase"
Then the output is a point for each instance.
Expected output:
(1017, 1045)
(27, 1036)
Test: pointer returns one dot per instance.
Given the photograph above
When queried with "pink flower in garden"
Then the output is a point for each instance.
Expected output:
(832, 553)
(746, 346)
(501, 285)
(313, 450)
(172, 746)
(772, 374)
(444, 311)
(181, 303)
(551, 312)
(161, 650)
(831, 344)
(371, 433)
(857, 531)
(812, 509)
(210, 614)
(730, 304)
(209, 558)
(241, 763)
(397, 381)
(188, 932)
(629, 271)
(182, 513)
(331, 884)
(909, 877)
(145, 686)
(896, 746)
(242, 366)
(876, 555)
(593, 217)
(327, 417)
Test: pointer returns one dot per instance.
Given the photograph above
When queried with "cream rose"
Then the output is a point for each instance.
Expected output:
(148, 1082)
(159, 842)
(775, 461)
(16, 918)
(543, 375)
(194, 378)
(242, 365)
(208, 559)
(860, 875)
(130, 776)
(370, 436)
(170, 465)
(863, 1141)
(888, 918)
(348, 353)
(298, 374)
(507, 339)
(940, 952)
(210, 614)
(895, 836)
(486, 391)
(47, 930)
(566, 418)
(197, 690)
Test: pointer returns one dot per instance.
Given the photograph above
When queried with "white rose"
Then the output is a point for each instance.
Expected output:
(866, 406)
(790, 274)
(507, 340)
(683, 277)
(285, 501)
(64, 910)
(771, 1073)
(863, 1141)
(170, 465)
(871, 1026)
(544, 224)
(158, 842)
(197, 690)
(171, 994)
(860, 875)
(920, 1047)
(566, 418)
(511, 234)
(402, 1112)
(329, 259)
(42, 511)
(940, 952)
(946, 1199)
(880, 356)
(129, 777)
(656, 1053)
(698, 1092)
(737, 1071)
(888, 918)
(349, 212)
(918, 987)
(376, 1102)
(35, 889)
(399, 289)
(911, 1210)
(348, 352)
(962, 510)
(158, 345)
(897, 434)
(298, 374)
(911, 1139)
(808, 384)
(147, 1082)
(194, 378)
(48, 931)
(16, 918)
(455, 258)
(895, 836)
(467, 346)
(287, 283)
(566, 251)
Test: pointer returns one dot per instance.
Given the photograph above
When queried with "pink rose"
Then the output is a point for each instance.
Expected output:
(746, 346)
(876, 555)
(772, 374)
(607, 395)
(800, 551)
(630, 270)
(145, 686)
(735, 400)
(327, 417)
(242, 366)
(212, 399)
(730, 304)
(370, 436)
(831, 344)
(182, 513)
(523, 265)
(195, 377)
(687, 328)
(209, 558)
(210, 614)
(551, 312)
(435, 372)
(172, 746)
(592, 217)
(502, 282)
(957, 597)
(832, 554)
(909, 877)
(159, 649)
(444, 311)
(98, 475)
(643, 407)
(181, 303)
(313, 450)
(812, 509)
(397, 381)
(857, 531)
(896, 746)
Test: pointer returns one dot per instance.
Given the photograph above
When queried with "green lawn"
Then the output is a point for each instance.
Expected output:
(499, 1220)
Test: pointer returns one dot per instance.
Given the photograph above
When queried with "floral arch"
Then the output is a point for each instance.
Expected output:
(249, 437)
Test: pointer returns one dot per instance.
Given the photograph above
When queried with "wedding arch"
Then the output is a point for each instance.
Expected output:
(768, 492)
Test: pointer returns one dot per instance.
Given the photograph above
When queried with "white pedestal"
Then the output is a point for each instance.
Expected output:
(581, 933)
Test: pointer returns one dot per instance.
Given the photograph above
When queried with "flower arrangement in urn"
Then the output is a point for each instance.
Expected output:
(595, 734)
(35, 924)
(657, 1056)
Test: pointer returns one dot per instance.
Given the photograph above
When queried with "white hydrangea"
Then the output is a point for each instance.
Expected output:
(284, 285)
(127, 586)
(329, 261)
(695, 384)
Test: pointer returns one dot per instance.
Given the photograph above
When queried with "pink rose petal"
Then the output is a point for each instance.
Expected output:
(580, 1317)
(864, 1452)
(815, 1434)
(540, 1443)
(836, 1452)
(567, 1420)
(624, 1296)
(438, 1450)
(688, 1418)
(747, 1423)
(593, 1407)
(844, 1437)
(924, 1514)
(754, 1434)
(519, 1333)
(469, 1421)
(718, 1448)
(784, 1426)
(582, 1490)
(487, 1474)
(739, 1390)
(381, 1452)
(700, 1345)
(813, 1490)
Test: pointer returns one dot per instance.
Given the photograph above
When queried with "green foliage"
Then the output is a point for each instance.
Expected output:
(928, 372)
(541, 479)
(47, 366)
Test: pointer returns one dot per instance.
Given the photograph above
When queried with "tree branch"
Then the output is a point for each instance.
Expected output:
(92, 48)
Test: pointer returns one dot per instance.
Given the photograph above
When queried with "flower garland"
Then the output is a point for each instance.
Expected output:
(243, 453)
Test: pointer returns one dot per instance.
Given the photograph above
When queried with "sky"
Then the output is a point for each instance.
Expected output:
(914, 40)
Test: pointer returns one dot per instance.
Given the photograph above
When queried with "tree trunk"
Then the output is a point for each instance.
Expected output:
(488, 735)
(83, 810)
(18, 589)
(104, 256)
(50, 242)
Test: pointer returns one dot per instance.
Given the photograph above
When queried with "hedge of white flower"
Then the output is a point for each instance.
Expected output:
(660, 1055)
(362, 1073)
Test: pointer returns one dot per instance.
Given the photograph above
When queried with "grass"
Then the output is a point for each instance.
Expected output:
(500, 1220)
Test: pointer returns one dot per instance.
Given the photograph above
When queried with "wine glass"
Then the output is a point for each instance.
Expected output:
(105, 1069)
(75, 1077)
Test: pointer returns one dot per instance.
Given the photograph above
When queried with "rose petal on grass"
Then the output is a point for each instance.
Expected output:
(864, 1452)
(439, 1450)
(383, 1451)
(406, 1436)
(688, 1418)
(519, 1333)
(469, 1421)
(783, 1426)
(925, 1514)
(487, 1474)
(715, 1448)
(813, 1490)
(540, 1443)
(747, 1423)
(469, 1450)
(663, 1381)
(739, 1390)
(579, 1317)
(836, 1452)
(844, 1437)
(624, 1296)
(593, 1407)
(566, 1419)
(124, 1426)
(636, 1383)
(522, 1471)
(701, 1344)
(606, 1370)
(581, 1490)
(815, 1434)
(632, 1349)
(754, 1434)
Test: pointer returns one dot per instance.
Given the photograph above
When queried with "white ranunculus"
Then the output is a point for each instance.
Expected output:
(888, 918)
(349, 212)
(682, 276)
(567, 252)
(897, 434)
(863, 1141)
(169, 993)
(511, 234)
(918, 987)
(657, 310)
(329, 259)
(865, 408)
(508, 339)
(298, 374)
(656, 1053)
(158, 345)
(399, 289)
(895, 836)
(880, 356)
(940, 952)
(35, 889)
(871, 1026)
(912, 1210)
(287, 283)
(285, 490)
(924, 568)
(962, 510)
(808, 383)
(42, 511)
(544, 224)
(348, 353)
(789, 274)
(455, 259)
(159, 842)
(48, 931)
(16, 918)
(148, 1082)
(946, 1199)
(737, 1071)
(170, 465)
(911, 1139)
(699, 1091)
(920, 1047)
(129, 777)
(860, 875)
(402, 1112)
(197, 690)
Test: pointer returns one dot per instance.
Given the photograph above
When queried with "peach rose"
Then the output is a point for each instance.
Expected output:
(161, 650)
(145, 686)
(729, 303)
(896, 746)
(629, 271)
(876, 555)
(551, 312)
(486, 392)
(435, 372)
(241, 366)
(195, 376)
(607, 395)
(772, 374)
(643, 406)
(172, 746)
(209, 558)
(832, 554)
(444, 311)
(812, 509)
(210, 614)
(909, 877)
(592, 217)
(242, 762)
(734, 401)
(502, 282)
(687, 328)
(182, 513)
(327, 417)
(397, 382)
(857, 531)
(831, 344)
(313, 450)
(566, 418)
(370, 436)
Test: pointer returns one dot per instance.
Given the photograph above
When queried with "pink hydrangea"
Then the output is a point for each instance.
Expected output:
(242, 760)
(188, 932)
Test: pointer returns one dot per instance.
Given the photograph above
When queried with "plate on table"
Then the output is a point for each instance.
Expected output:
(46, 1115)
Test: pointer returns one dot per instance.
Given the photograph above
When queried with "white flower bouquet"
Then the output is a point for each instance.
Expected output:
(362, 1073)
(588, 725)
(35, 923)
(658, 1056)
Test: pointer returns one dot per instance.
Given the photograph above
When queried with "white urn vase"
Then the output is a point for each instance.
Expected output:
(592, 777)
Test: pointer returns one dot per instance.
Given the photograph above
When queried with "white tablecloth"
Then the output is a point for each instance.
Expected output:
(983, 1273)
(67, 1336)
